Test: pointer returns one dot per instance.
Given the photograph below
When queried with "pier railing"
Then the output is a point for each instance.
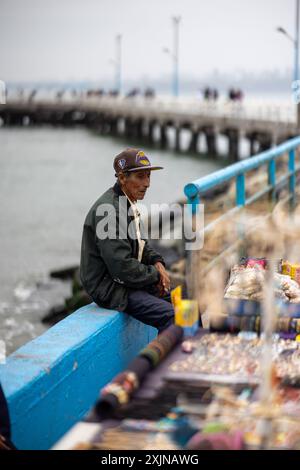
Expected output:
(238, 172)
(272, 112)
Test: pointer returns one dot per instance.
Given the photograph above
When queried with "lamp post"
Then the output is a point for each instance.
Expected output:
(118, 62)
(175, 55)
(294, 40)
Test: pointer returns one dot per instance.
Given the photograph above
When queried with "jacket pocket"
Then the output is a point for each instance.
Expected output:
(110, 294)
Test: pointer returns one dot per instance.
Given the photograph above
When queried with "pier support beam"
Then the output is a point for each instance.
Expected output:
(193, 147)
(139, 126)
(210, 138)
(177, 139)
(150, 136)
(128, 132)
(233, 144)
(93, 120)
(13, 119)
(101, 124)
(265, 142)
(163, 136)
(113, 126)
(252, 140)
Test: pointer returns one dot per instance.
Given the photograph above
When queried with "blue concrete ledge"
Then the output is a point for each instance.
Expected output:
(51, 382)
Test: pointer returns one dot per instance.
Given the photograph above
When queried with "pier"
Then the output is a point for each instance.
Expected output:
(159, 122)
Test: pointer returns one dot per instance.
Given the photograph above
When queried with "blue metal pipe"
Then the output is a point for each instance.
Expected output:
(232, 171)
(292, 180)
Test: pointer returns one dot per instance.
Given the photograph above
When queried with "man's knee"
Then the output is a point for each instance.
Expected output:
(148, 308)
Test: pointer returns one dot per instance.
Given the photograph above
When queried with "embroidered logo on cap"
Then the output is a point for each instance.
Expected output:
(141, 158)
(122, 163)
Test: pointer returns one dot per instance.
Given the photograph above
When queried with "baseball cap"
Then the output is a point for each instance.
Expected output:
(132, 159)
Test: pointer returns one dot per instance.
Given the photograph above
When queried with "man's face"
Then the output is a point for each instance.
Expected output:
(135, 184)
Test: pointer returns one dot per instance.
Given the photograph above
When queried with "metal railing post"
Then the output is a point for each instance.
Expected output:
(272, 179)
(192, 273)
(240, 190)
(292, 178)
(241, 201)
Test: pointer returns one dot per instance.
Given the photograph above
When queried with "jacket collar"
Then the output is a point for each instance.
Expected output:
(117, 189)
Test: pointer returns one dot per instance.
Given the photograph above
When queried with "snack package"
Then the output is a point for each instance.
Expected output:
(186, 312)
(295, 272)
(292, 270)
(251, 262)
(262, 263)
(187, 316)
(286, 268)
(245, 283)
(176, 296)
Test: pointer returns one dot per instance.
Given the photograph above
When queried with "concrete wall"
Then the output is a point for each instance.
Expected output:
(51, 382)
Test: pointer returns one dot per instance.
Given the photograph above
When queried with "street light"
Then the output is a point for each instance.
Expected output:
(175, 55)
(117, 62)
(295, 42)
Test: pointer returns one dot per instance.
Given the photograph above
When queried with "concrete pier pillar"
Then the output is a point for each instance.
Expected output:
(139, 129)
(5, 116)
(252, 145)
(177, 139)
(18, 120)
(265, 142)
(210, 138)
(113, 126)
(93, 120)
(100, 124)
(128, 132)
(163, 137)
(233, 147)
(67, 119)
(211, 144)
(150, 136)
(193, 147)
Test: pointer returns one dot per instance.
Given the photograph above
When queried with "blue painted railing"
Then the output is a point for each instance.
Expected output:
(194, 190)
(52, 381)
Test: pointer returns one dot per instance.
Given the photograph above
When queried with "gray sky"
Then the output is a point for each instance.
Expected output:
(74, 39)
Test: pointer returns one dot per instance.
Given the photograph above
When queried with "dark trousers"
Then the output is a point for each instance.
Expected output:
(4, 417)
(5, 442)
(150, 309)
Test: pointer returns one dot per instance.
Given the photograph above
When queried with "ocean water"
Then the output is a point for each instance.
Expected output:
(49, 179)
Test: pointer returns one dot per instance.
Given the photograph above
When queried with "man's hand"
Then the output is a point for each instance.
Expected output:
(164, 283)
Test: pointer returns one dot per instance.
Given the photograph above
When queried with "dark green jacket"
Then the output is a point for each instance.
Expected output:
(109, 267)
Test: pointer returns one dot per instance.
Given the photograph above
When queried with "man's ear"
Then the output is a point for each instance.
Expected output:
(121, 178)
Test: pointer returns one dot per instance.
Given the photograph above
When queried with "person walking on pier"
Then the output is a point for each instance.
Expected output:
(118, 268)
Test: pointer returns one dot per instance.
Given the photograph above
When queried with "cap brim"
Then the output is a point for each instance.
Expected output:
(151, 168)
